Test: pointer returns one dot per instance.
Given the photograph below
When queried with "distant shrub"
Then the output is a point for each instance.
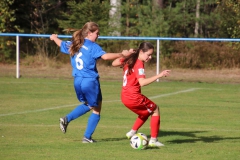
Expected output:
(208, 55)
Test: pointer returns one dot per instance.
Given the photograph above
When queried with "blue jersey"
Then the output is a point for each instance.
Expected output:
(84, 62)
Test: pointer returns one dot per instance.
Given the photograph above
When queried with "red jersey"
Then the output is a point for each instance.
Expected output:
(131, 88)
(131, 94)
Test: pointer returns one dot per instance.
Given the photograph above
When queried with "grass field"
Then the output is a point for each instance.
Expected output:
(198, 121)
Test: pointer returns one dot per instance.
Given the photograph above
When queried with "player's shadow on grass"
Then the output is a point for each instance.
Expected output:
(193, 138)
(121, 139)
(112, 139)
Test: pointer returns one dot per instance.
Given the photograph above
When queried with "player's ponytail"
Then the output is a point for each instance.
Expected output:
(79, 36)
(131, 60)
(77, 42)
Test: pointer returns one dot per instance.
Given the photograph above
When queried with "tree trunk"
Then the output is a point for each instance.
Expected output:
(158, 3)
(197, 18)
(115, 17)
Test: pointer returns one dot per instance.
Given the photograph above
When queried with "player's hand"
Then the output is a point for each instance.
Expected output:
(127, 53)
(132, 51)
(53, 36)
(165, 73)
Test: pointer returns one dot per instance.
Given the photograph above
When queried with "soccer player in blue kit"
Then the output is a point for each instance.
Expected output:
(84, 53)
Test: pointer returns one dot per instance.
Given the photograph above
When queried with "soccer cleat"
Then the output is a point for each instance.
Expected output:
(130, 134)
(86, 140)
(155, 143)
(63, 124)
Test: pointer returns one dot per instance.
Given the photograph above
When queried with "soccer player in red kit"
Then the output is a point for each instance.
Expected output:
(131, 96)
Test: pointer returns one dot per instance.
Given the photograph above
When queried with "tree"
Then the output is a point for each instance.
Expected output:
(7, 17)
(129, 13)
(158, 3)
(229, 11)
(185, 20)
(39, 17)
(197, 18)
(115, 17)
(151, 20)
(88, 10)
(7, 24)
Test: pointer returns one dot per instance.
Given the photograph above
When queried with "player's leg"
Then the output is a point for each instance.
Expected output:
(146, 108)
(155, 127)
(142, 111)
(155, 123)
(79, 110)
(93, 120)
(94, 97)
(137, 124)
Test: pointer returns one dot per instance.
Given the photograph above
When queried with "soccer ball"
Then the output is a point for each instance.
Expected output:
(139, 141)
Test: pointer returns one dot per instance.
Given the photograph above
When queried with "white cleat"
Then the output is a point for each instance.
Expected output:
(130, 134)
(86, 140)
(155, 143)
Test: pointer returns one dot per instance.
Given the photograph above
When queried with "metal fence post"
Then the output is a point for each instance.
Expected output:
(158, 59)
(17, 57)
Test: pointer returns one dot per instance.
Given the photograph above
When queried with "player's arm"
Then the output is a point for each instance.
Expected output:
(117, 62)
(111, 56)
(54, 37)
(146, 81)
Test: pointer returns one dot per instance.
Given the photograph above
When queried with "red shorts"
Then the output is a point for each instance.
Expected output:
(139, 104)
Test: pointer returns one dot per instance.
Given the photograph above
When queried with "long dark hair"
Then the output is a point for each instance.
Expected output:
(79, 35)
(131, 60)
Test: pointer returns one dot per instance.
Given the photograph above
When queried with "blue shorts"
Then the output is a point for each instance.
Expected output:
(88, 90)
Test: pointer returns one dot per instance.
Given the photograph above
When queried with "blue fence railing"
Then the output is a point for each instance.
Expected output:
(128, 38)
(158, 39)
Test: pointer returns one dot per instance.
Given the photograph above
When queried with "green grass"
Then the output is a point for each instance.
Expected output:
(198, 121)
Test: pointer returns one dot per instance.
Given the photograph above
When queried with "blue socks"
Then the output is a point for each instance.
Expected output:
(92, 124)
(77, 112)
(92, 120)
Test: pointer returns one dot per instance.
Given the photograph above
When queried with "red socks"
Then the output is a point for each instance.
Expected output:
(155, 126)
(139, 122)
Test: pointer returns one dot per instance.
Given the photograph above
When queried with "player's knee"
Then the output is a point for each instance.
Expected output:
(143, 117)
(96, 110)
(90, 107)
(157, 110)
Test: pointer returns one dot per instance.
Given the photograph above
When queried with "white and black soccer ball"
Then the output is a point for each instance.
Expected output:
(139, 141)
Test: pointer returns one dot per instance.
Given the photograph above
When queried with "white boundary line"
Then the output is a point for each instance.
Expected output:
(170, 94)
(70, 105)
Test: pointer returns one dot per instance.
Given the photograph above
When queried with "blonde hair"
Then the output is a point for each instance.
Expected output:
(79, 35)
